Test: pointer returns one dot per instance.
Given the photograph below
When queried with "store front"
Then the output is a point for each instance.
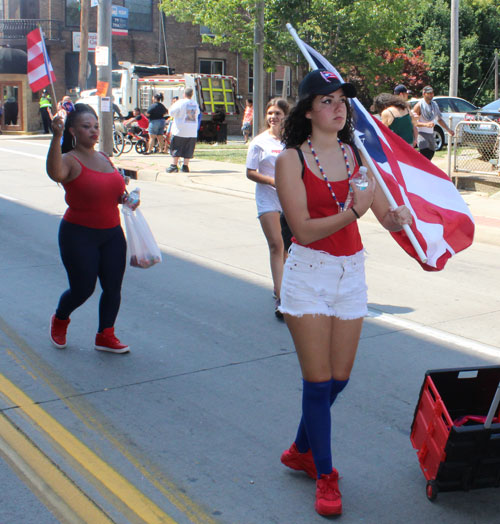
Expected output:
(11, 103)
(18, 105)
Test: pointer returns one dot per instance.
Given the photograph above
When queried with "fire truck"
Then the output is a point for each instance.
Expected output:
(135, 84)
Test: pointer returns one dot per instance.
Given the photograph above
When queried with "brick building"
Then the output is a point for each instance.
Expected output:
(152, 39)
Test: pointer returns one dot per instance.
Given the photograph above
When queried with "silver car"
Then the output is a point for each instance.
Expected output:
(485, 135)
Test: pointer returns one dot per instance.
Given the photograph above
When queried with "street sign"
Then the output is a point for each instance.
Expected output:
(102, 55)
(76, 41)
(119, 20)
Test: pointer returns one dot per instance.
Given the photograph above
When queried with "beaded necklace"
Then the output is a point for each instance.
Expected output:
(341, 205)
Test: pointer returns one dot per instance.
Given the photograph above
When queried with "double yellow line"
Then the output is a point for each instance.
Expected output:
(113, 487)
(135, 500)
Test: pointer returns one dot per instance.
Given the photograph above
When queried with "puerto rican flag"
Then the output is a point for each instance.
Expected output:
(442, 222)
(40, 72)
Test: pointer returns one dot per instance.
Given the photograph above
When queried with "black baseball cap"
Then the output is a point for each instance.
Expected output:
(401, 89)
(323, 82)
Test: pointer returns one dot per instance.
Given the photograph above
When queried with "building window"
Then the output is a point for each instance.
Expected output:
(212, 67)
(72, 13)
(278, 89)
(204, 30)
(250, 78)
(140, 14)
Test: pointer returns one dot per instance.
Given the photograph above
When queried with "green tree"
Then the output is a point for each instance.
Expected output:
(351, 34)
(479, 35)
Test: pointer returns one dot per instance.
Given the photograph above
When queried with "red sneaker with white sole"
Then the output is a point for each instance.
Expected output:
(106, 341)
(57, 331)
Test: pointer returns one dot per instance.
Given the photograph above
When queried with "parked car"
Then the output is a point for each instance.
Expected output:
(452, 106)
(486, 135)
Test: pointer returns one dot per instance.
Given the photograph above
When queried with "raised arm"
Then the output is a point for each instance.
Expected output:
(57, 167)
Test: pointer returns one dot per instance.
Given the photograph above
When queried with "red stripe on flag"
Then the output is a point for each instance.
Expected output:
(34, 39)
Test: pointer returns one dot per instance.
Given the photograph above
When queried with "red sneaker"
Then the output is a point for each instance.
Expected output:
(328, 498)
(293, 458)
(106, 341)
(57, 331)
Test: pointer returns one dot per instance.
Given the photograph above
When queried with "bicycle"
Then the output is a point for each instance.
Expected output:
(118, 143)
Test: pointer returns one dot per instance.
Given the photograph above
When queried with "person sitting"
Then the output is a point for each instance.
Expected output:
(137, 123)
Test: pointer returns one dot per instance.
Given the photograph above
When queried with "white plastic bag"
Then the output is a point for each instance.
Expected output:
(143, 249)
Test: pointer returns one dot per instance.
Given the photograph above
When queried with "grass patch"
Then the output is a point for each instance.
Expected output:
(234, 153)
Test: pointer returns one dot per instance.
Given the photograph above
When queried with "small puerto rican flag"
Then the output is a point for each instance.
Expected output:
(40, 72)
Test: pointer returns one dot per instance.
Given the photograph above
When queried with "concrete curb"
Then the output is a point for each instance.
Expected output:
(184, 180)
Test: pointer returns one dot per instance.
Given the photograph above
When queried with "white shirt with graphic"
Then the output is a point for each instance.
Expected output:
(185, 113)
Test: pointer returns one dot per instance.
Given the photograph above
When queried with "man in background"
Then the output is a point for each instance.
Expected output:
(401, 91)
(184, 131)
(46, 111)
(138, 123)
(427, 112)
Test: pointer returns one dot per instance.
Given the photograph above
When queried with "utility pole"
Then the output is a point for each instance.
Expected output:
(496, 74)
(454, 45)
(84, 44)
(258, 68)
(105, 112)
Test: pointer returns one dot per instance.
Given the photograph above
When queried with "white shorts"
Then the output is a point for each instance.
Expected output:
(266, 198)
(317, 283)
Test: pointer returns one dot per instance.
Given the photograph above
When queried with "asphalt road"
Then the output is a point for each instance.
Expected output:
(190, 425)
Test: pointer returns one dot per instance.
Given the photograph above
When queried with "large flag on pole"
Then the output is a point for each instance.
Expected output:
(40, 72)
(442, 222)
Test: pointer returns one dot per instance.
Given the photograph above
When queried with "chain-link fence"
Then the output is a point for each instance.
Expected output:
(476, 147)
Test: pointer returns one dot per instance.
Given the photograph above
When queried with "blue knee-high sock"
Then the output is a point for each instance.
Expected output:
(301, 440)
(317, 421)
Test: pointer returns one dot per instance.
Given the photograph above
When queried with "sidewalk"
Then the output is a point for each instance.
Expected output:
(227, 178)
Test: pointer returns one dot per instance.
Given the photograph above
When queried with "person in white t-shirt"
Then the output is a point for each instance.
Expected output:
(261, 158)
(184, 131)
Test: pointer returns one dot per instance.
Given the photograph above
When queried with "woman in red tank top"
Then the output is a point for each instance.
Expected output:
(323, 293)
(91, 240)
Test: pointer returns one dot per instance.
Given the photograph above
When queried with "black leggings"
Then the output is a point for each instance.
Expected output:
(88, 254)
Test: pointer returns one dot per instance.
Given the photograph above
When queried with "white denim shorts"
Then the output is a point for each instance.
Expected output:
(317, 283)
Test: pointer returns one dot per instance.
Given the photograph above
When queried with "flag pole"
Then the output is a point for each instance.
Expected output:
(45, 60)
(392, 203)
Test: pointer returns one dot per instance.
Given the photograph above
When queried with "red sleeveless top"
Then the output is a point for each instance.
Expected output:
(93, 198)
(346, 241)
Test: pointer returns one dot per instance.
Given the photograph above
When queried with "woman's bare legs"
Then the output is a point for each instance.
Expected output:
(326, 346)
(270, 223)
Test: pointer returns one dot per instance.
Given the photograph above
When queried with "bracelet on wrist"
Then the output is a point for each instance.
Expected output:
(355, 213)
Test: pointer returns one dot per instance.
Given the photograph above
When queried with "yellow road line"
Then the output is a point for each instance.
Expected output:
(142, 506)
(85, 413)
(50, 484)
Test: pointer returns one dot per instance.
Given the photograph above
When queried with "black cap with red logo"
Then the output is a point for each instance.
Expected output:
(323, 82)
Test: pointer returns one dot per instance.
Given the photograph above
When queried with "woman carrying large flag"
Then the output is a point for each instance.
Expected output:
(323, 293)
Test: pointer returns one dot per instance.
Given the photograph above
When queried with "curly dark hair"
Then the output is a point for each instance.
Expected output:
(297, 127)
(80, 109)
(385, 100)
